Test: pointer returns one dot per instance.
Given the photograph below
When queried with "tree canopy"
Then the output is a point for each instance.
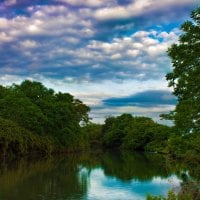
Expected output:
(185, 77)
(44, 112)
(134, 133)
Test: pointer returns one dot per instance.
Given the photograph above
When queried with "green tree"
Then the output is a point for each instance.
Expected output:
(115, 130)
(14, 105)
(42, 111)
(135, 133)
(93, 133)
(185, 77)
(138, 133)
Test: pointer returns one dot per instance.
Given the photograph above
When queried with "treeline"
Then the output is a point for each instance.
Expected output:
(143, 134)
(35, 118)
(135, 133)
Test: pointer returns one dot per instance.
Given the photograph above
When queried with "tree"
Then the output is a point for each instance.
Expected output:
(42, 111)
(139, 133)
(185, 77)
(115, 129)
(135, 133)
(15, 106)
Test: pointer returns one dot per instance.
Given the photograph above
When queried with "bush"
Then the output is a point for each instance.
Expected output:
(15, 140)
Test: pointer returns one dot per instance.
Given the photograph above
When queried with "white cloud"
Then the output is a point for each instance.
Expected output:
(88, 3)
(10, 2)
(29, 44)
(112, 13)
(142, 52)
(136, 8)
(35, 30)
(4, 37)
(91, 90)
(99, 114)
(3, 23)
(116, 56)
(47, 21)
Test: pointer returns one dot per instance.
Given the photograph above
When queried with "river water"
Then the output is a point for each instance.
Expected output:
(87, 176)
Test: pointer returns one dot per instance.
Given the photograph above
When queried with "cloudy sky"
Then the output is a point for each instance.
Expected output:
(109, 53)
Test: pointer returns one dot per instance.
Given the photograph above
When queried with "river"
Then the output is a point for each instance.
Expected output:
(88, 176)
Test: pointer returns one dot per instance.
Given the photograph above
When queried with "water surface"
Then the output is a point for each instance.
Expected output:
(89, 176)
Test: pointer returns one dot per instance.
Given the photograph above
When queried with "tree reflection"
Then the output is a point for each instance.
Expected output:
(68, 176)
(44, 179)
(127, 166)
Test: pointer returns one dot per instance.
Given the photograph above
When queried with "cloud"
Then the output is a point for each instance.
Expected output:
(149, 98)
(10, 2)
(5, 38)
(88, 3)
(29, 44)
(94, 49)
(59, 40)
(150, 103)
(137, 8)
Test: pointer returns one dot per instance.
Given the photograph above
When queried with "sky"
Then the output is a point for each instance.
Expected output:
(111, 54)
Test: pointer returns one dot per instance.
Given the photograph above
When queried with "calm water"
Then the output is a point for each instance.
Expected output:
(109, 176)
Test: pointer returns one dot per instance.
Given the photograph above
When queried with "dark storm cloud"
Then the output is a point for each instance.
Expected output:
(143, 99)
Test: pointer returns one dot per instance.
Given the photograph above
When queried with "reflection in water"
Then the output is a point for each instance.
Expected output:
(46, 180)
(103, 187)
(87, 177)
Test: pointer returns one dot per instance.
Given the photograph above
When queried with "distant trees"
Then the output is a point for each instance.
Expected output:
(185, 77)
(134, 133)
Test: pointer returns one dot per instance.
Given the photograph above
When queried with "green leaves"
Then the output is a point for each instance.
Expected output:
(43, 112)
(185, 77)
(135, 133)
(15, 140)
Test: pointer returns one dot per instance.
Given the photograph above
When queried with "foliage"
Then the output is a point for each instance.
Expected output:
(185, 79)
(189, 191)
(185, 76)
(15, 140)
(171, 196)
(93, 133)
(115, 130)
(45, 113)
(14, 105)
(135, 133)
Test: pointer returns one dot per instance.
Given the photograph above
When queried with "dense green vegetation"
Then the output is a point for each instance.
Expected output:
(184, 79)
(15, 140)
(134, 133)
(34, 118)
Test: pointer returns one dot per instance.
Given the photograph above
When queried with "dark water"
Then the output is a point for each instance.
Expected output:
(89, 176)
